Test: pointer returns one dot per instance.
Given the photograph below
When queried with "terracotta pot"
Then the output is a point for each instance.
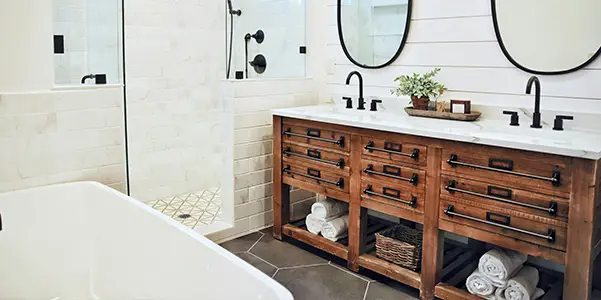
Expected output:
(420, 103)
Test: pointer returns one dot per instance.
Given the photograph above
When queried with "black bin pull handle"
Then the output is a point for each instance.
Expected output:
(498, 218)
(314, 153)
(312, 132)
(501, 164)
(313, 172)
(390, 170)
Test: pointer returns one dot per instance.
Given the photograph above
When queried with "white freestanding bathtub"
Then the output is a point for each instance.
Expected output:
(84, 241)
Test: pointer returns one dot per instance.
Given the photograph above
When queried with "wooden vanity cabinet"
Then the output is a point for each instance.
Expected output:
(540, 204)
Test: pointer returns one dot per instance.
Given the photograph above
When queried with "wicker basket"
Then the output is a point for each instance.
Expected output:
(400, 245)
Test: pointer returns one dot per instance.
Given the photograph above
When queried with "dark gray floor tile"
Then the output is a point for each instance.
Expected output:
(378, 291)
(282, 254)
(268, 230)
(257, 263)
(242, 244)
(321, 282)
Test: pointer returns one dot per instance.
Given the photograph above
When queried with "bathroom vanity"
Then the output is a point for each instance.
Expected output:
(534, 191)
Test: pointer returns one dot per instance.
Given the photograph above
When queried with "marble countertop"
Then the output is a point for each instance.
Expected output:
(493, 132)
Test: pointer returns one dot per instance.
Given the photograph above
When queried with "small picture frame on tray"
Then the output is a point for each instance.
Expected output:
(461, 106)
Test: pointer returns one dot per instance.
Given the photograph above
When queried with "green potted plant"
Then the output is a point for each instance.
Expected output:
(420, 87)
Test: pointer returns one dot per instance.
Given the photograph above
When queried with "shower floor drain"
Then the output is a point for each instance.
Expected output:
(184, 216)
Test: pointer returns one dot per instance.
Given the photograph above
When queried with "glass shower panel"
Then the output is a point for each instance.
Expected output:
(283, 22)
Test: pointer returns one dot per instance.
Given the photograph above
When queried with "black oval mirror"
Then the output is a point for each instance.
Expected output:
(548, 37)
(373, 32)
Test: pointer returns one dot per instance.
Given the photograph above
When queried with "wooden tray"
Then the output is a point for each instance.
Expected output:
(443, 115)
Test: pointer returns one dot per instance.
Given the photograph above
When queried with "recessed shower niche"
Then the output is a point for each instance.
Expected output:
(87, 41)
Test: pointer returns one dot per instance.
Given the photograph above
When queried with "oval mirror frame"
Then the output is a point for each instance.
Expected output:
(495, 18)
(393, 58)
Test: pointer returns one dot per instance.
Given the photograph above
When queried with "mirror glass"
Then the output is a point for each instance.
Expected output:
(87, 37)
(373, 32)
(548, 36)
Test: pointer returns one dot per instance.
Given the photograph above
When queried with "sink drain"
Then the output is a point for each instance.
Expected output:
(184, 216)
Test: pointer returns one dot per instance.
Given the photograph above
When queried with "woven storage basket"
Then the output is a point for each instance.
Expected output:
(400, 245)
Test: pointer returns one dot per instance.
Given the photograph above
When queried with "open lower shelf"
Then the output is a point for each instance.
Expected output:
(459, 263)
(298, 231)
(388, 269)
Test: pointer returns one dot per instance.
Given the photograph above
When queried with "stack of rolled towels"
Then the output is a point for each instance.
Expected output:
(501, 275)
(330, 218)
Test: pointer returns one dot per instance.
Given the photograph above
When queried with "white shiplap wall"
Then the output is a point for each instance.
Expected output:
(458, 36)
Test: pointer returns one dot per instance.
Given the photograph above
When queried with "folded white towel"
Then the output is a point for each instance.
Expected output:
(500, 264)
(335, 229)
(523, 286)
(328, 208)
(480, 285)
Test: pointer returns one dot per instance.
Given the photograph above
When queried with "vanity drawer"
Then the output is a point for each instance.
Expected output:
(315, 136)
(543, 173)
(505, 222)
(505, 197)
(394, 150)
(393, 174)
(331, 161)
(402, 196)
(316, 179)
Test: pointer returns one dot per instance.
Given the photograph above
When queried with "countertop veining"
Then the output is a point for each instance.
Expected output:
(493, 132)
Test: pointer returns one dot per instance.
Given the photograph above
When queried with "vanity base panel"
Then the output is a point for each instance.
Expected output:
(380, 266)
(316, 241)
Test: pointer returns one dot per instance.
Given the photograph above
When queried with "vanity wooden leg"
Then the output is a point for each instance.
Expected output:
(580, 248)
(357, 215)
(433, 240)
(281, 191)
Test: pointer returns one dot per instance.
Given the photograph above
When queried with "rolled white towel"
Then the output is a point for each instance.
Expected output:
(315, 224)
(500, 264)
(328, 208)
(523, 285)
(335, 229)
(480, 285)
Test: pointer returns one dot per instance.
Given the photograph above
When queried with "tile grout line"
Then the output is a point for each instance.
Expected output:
(349, 272)
(256, 242)
(304, 266)
(276, 272)
(261, 259)
(366, 289)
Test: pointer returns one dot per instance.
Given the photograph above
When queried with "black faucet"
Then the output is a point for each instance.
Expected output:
(536, 116)
(348, 81)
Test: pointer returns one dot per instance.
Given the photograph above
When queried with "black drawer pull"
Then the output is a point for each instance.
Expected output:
(386, 195)
(500, 192)
(392, 148)
(311, 174)
(314, 155)
(550, 237)
(555, 176)
(452, 187)
(370, 170)
(315, 134)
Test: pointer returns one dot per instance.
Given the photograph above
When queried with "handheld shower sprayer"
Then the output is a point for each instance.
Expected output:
(236, 12)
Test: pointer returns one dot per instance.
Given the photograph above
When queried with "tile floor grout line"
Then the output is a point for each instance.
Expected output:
(256, 242)
(276, 272)
(366, 289)
(304, 266)
(349, 272)
(261, 259)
